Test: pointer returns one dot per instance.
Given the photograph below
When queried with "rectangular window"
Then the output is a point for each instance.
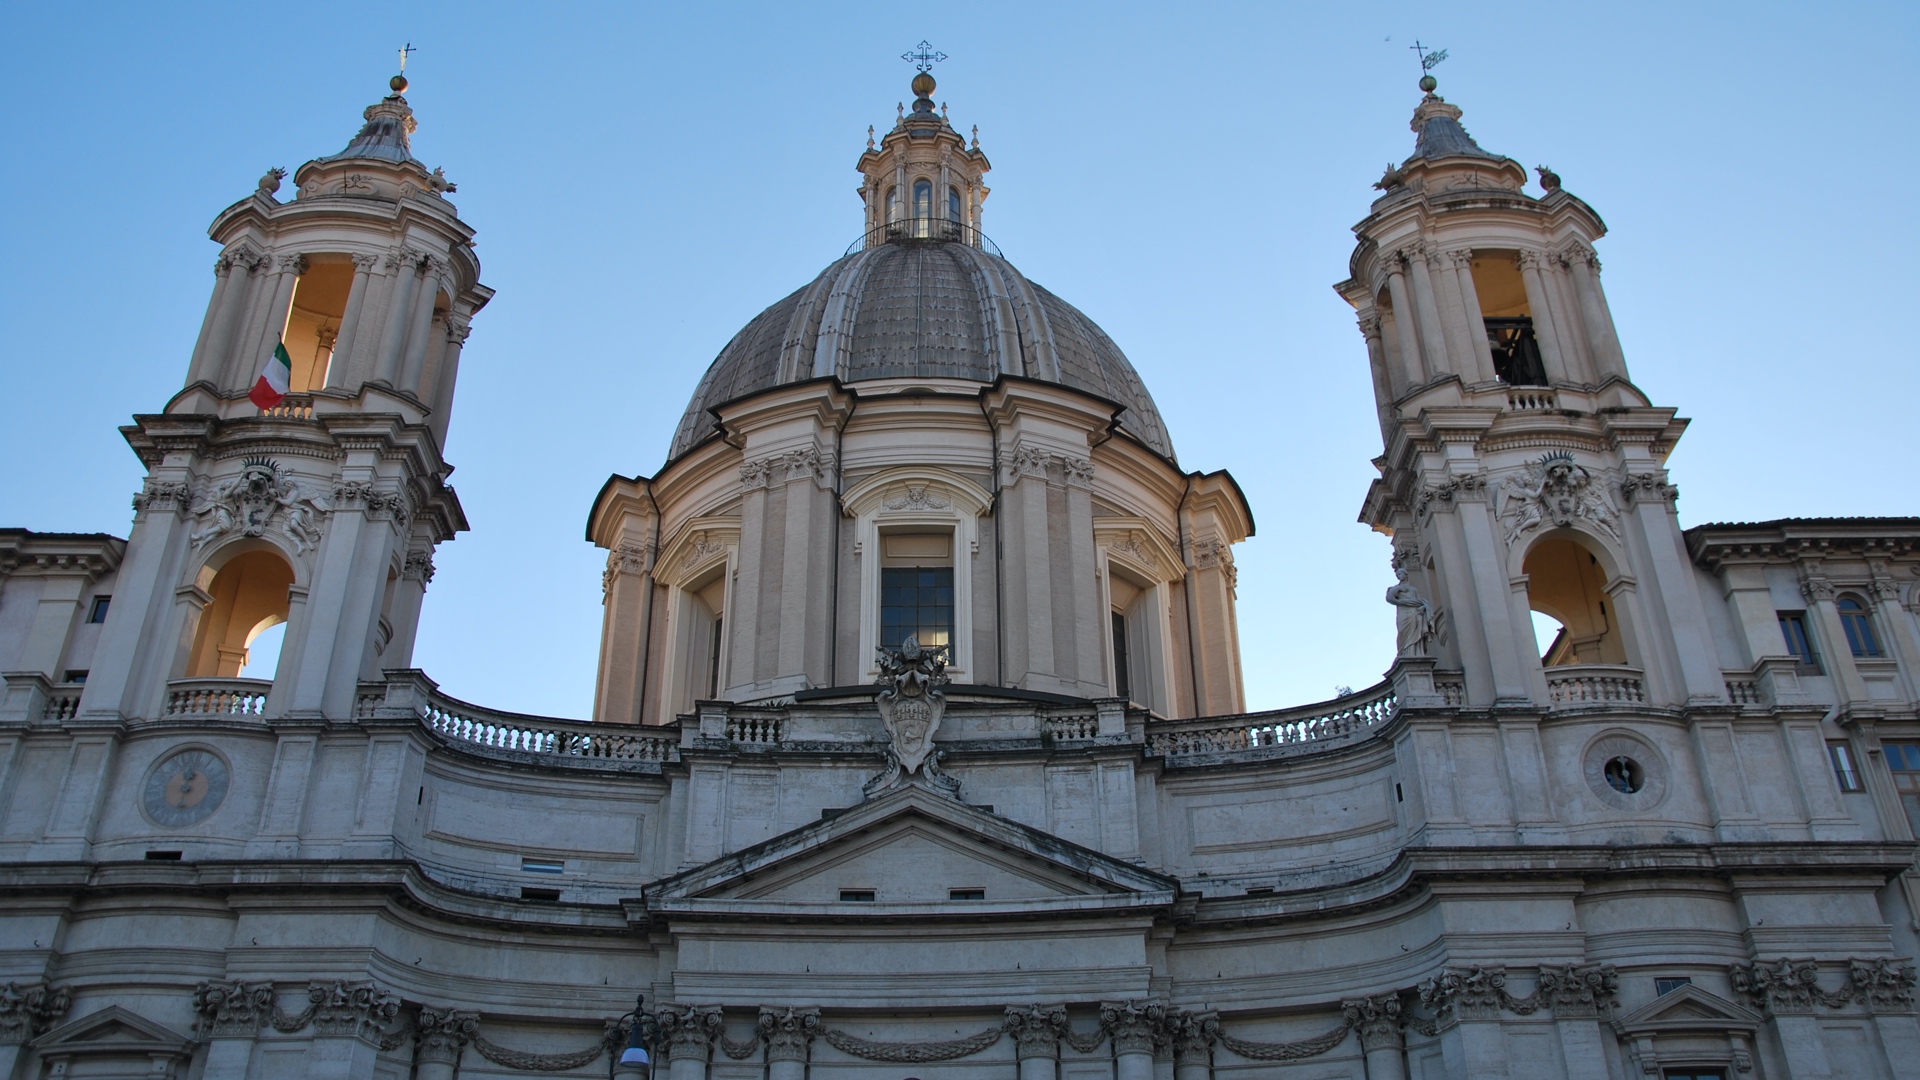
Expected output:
(1903, 760)
(713, 658)
(1663, 987)
(1843, 769)
(966, 894)
(916, 602)
(75, 677)
(1122, 675)
(1793, 627)
(1695, 1074)
(542, 866)
(856, 896)
(98, 612)
(530, 893)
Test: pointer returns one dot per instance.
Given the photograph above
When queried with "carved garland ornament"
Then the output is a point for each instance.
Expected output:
(803, 464)
(1037, 461)
(1793, 986)
(1480, 993)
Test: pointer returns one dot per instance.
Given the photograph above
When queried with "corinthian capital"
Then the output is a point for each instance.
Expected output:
(1134, 1026)
(788, 1033)
(26, 1011)
(1377, 1019)
(293, 264)
(690, 1030)
(441, 1034)
(1036, 1030)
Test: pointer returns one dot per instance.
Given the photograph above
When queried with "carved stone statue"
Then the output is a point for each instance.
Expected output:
(1413, 615)
(437, 182)
(911, 702)
(270, 183)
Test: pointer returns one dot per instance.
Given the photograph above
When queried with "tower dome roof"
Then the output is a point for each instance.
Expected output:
(921, 308)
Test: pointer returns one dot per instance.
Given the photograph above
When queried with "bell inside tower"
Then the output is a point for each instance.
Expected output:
(1508, 319)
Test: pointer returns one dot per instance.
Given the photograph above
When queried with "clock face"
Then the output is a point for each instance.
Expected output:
(185, 789)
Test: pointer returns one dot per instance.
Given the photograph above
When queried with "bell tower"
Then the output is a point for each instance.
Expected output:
(323, 509)
(1522, 471)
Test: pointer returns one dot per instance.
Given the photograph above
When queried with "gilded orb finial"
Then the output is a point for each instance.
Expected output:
(923, 85)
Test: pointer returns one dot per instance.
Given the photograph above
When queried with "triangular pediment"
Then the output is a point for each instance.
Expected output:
(112, 1030)
(1688, 1009)
(913, 849)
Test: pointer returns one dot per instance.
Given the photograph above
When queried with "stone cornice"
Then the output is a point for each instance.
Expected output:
(25, 552)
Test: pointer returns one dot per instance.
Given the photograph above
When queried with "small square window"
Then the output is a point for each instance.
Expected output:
(98, 612)
(530, 893)
(75, 676)
(163, 856)
(966, 894)
(1663, 987)
(856, 896)
(1843, 769)
(542, 866)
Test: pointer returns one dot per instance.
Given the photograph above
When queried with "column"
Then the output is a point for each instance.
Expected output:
(407, 266)
(1601, 338)
(247, 328)
(421, 330)
(1546, 328)
(404, 617)
(1406, 330)
(321, 658)
(345, 372)
(1377, 367)
(1036, 1038)
(1752, 603)
(1377, 1021)
(1679, 615)
(291, 267)
(232, 301)
(440, 1036)
(1192, 1034)
(689, 1032)
(626, 627)
(348, 1020)
(788, 1036)
(1134, 1027)
(1433, 336)
(1835, 654)
(229, 1015)
(1462, 260)
(216, 312)
(1443, 268)
(458, 329)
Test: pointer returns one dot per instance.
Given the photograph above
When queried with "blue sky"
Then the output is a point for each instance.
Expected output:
(645, 178)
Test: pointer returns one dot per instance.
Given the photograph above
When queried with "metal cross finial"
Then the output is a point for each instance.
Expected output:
(1428, 57)
(404, 50)
(923, 56)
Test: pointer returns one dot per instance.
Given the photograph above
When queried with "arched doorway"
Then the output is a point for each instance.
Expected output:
(1567, 583)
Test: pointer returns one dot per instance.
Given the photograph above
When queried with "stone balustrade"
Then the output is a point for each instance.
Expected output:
(1745, 691)
(546, 738)
(217, 697)
(1531, 400)
(63, 703)
(291, 407)
(1579, 686)
(1073, 727)
(1302, 729)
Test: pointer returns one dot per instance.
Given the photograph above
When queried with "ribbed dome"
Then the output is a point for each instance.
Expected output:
(922, 309)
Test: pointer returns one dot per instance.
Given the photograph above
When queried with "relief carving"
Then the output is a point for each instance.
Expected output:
(251, 502)
(1647, 486)
(27, 1011)
(912, 701)
(803, 464)
(788, 1033)
(440, 1035)
(917, 497)
(360, 1010)
(231, 1008)
(1554, 489)
(164, 494)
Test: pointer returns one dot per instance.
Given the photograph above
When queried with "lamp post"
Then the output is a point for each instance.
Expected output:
(635, 1061)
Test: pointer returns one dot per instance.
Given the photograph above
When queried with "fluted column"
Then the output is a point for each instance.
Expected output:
(1462, 263)
(346, 371)
(1377, 1021)
(1134, 1027)
(1433, 336)
(1601, 338)
(440, 1036)
(788, 1036)
(407, 267)
(1546, 326)
(1405, 323)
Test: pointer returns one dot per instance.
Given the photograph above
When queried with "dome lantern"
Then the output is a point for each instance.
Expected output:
(922, 182)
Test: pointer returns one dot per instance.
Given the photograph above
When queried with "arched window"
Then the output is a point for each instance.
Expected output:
(953, 205)
(1566, 582)
(1858, 623)
(923, 208)
(249, 597)
(893, 205)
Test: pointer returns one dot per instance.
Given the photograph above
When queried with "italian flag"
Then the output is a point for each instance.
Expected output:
(275, 376)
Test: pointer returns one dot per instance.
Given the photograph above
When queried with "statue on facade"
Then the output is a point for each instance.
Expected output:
(912, 700)
(1413, 614)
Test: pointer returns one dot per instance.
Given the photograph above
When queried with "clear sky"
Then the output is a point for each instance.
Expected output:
(646, 178)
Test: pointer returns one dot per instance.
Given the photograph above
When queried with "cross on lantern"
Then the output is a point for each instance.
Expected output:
(1428, 57)
(923, 56)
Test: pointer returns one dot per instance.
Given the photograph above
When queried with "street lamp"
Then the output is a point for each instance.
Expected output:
(642, 1033)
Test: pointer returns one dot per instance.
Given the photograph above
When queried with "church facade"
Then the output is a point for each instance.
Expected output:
(920, 673)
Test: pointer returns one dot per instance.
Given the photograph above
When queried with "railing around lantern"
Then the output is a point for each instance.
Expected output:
(924, 230)
(217, 697)
(291, 407)
(460, 722)
(1575, 686)
(1301, 729)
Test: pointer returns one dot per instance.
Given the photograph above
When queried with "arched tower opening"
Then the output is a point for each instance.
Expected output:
(1567, 583)
(314, 318)
(1507, 318)
(249, 595)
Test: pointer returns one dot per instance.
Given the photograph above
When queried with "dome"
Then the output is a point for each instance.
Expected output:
(922, 309)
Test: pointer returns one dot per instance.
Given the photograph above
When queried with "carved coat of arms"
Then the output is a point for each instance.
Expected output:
(912, 700)
(250, 502)
(1554, 489)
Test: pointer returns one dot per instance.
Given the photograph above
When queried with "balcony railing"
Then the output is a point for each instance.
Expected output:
(1577, 686)
(540, 736)
(217, 697)
(1297, 730)
(925, 230)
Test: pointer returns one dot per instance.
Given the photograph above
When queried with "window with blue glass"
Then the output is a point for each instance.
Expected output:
(916, 601)
(1903, 760)
(1858, 623)
(953, 205)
